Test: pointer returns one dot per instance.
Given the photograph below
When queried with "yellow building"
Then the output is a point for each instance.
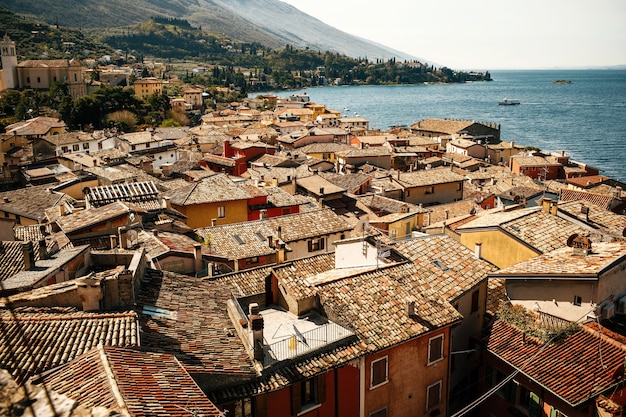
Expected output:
(42, 74)
(509, 237)
(214, 201)
(145, 87)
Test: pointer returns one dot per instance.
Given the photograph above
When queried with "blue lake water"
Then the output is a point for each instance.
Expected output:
(586, 118)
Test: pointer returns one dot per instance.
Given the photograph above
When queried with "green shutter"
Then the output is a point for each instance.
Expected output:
(554, 412)
(533, 406)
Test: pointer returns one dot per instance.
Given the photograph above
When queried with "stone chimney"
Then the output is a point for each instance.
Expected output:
(197, 257)
(478, 250)
(263, 214)
(257, 325)
(90, 292)
(410, 309)
(554, 208)
(43, 249)
(270, 241)
(167, 203)
(29, 255)
(546, 203)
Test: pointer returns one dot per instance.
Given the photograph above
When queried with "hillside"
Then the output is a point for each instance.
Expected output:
(244, 20)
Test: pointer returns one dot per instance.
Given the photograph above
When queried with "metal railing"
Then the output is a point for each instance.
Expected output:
(301, 343)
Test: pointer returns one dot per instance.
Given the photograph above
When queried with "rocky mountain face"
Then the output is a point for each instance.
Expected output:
(270, 22)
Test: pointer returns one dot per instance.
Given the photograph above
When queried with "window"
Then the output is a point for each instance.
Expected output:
(85, 146)
(379, 372)
(435, 349)
(221, 212)
(316, 244)
(578, 300)
(430, 190)
(75, 147)
(379, 413)
(433, 395)
(38, 80)
(308, 394)
(133, 147)
(475, 298)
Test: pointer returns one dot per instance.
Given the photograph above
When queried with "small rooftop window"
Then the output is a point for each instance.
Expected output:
(439, 265)
(238, 239)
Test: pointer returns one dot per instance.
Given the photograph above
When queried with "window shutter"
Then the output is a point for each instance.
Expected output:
(310, 242)
(296, 400)
(321, 388)
(533, 407)
(322, 243)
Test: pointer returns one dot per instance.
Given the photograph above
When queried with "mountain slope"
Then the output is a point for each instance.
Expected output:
(269, 22)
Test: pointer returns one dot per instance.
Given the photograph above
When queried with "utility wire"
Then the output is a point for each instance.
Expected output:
(499, 385)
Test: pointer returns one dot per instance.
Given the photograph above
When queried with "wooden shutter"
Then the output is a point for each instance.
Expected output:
(310, 242)
(322, 243)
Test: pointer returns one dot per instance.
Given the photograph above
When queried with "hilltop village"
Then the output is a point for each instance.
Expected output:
(282, 259)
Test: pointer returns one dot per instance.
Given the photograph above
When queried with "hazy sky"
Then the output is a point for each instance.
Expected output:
(486, 34)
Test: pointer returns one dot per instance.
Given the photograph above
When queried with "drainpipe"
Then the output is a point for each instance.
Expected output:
(362, 387)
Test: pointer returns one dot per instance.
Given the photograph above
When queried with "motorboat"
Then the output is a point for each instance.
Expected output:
(508, 102)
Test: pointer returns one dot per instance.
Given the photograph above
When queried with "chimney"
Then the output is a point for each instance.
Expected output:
(322, 192)
(554, 208)
(270, 241)
(61, 209)
(256, 325)
(121, 232)
(584, 210)
(29, 255)
(209, 269)
(279, 230)
(546, 203)
(90, 292)
(263, 214)
(478, 250)
(281, 254)
(213, 222)
(197, 257)
(155, 233)
(618, 192)
(43, 249)
(167, 203)
(410, 308)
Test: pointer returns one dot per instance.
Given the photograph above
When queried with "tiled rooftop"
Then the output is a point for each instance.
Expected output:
(38, 339)
(150, 384)
(446, 264)
(598, 217)
(374, 305)
(86, 218)
(239, 240)
(294, 227)
(600, 200)
(429, 177)
(188, 318)
(564, 262)
(30, 202)
(542, 231)
(216, 188)
(572, 369)
(293, 275)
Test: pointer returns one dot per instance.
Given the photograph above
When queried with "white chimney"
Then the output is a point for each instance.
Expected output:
(197, 257)
(478, 250)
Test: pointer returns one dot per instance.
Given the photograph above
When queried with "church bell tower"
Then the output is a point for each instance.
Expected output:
(9, 62)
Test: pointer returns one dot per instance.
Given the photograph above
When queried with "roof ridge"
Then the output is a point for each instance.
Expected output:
(115, 389)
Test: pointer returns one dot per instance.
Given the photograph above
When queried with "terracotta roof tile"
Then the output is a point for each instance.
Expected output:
(187, 317)
(30, 202)
(216, 188)
(374, 305)
(38, 339)
(572, 369)
(566, 263)
(151, 384)
(446, 264)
